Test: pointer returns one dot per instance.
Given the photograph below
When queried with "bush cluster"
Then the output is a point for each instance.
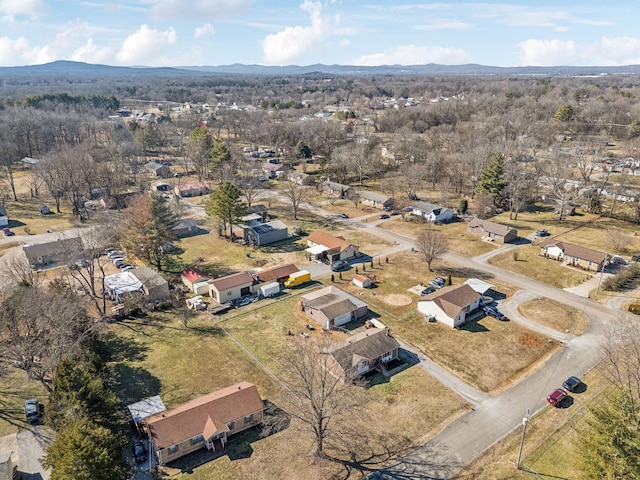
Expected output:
(622, 279)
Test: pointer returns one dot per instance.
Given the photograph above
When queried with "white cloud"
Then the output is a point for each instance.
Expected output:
(20, 52)
(414, 55)
(31, 8)
(444, 25)
(614, 51)
(292, 43)
(92, 53)
(199, 9)
(146, 46)
(206, 29)
(546, 53)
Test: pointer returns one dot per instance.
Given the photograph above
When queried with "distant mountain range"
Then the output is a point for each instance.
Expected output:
(67, 68)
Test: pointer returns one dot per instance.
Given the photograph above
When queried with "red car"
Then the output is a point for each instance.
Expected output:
(555, 398)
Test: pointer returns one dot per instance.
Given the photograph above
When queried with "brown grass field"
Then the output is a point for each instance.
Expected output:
(555, 315)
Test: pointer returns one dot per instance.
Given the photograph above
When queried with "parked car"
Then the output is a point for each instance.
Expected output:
(542, 232)
(340, 265)
(427, 291)
(139, 452)
(7, 232)
(556, 397)
(486, 300)
(124, 268)
(572, 383)
(32, 410)
(384, 216)
(117, 260)
(242, 301)
(342, 215)
(492, 311)
(437, 282)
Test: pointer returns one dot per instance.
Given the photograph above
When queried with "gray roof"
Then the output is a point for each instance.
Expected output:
(256, 209)
(269, 227)
(154, 165)
(69, 247)
(368, 345)
(185, 223)
(427, 207)
(331, 305)
(374, 197)
(492, 227)
(148, 277)
(335, 186)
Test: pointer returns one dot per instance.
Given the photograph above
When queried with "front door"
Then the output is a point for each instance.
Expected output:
(245, 291)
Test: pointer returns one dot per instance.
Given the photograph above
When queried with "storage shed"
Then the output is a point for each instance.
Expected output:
(361, 281)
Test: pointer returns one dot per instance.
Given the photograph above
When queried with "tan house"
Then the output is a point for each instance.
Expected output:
(450, 305)
(331, 307)
(364, 352)
(59, 252)
(205, 422)
(336, 189)
(231, 287)
(574, 255)
(491, 231)
(191, 189)
(376, 200)
(324, 246)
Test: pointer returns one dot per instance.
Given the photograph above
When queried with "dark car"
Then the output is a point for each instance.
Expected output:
(32, 410)
(139, 452)
(556, 397)
(572, 384)
(340, 265)
(494, 312)
(542, 232)
(7, 232)
(384, 216)
(427, 291)
(343, 215)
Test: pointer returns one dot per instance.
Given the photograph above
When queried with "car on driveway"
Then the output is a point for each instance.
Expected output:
(384, 216)
(32, 410)
(7, 232)
(556, 397)
(427, 291)
(139, 452)
(492, 311)
(340, 265)
(342, 215)
(572, 383)
(542, 232)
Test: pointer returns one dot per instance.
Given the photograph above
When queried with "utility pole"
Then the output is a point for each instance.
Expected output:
(525, 421)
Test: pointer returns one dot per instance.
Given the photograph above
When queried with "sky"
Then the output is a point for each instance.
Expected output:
(305, 32)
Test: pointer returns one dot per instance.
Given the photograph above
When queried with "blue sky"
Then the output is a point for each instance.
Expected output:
(304, 32)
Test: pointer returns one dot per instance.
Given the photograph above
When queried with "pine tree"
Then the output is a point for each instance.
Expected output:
(219, 154)
(225, 206)
(492, 179)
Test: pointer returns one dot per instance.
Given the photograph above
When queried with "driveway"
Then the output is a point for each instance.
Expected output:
(32, 445)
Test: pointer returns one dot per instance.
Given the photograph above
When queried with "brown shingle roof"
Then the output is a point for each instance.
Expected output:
(328, 240)
(230, 281)
(571, 250)
(453, 298)
(275, 273)
(368, 345)
(207, 414)
(492, 227)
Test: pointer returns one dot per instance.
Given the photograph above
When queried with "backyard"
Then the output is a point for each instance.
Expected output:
(555, 315)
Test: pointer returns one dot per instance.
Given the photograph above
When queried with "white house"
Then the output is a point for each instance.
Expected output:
(431, 212)
(450, 305)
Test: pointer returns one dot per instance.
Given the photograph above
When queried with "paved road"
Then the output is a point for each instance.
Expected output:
(32, 445)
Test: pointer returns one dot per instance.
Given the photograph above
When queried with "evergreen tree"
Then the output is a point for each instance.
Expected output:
(225, 206)
(492, 179)
(564, 113)
(464, 206)
(219, 155)
(303, 150)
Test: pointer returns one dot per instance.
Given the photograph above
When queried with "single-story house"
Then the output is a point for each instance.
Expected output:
(59, 252)
(432, 213)
(260, 210)
(191, 189)
(196, 280)
(154, 286)
(336, 189)
(206, 421)
(275, 274)
(574, 255)
(4, 219)
(273, 169)
(158, 170)
(364, 352)
(376, 200)
(266, 233)
(324, 246)
(494, 232)
(450, 305)
(231, 287)
(361, 281)
(301, 178)
(330, 307)
(185, 227)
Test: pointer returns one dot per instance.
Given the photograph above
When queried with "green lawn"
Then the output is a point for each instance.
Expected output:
(15, 388)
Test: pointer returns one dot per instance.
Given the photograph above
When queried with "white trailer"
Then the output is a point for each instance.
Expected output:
(269, 289)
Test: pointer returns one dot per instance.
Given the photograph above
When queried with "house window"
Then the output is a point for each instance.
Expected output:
(229, 293)
(387, 356)
(230, 425)
(173, 449)
(197, 439)
(248, 419)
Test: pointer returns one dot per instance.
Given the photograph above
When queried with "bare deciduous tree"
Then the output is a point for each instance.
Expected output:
(296, 194)
(431, 244)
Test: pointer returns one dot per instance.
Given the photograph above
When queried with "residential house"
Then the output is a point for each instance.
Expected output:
(272, 169)
(574, 255)
(191, 189)
(4, 219)
(376, 200)
(266, 233)
(450, 305)
(330, 307)
(325, 247)
(491, 231)
(144, 408)
(196, 280)
(336, 189)
(432, 213)
(260, 210)
(185, 227)
(275, 274)
(301, 178)
(364, 352)
(158, 169)
(231, 287)
(154, 286)
(59, 252)
(204, 422)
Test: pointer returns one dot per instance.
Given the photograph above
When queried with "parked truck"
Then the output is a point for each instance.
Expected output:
(298, 278)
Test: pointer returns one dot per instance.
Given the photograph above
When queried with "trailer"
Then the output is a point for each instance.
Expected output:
(269, 289)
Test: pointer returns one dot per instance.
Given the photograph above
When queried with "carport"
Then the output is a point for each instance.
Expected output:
(317, 252)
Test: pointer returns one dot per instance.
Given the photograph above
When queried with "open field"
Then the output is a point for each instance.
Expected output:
(529, 263)
(548, 447)
(346, 206)
(555, 315)
(16, 388)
